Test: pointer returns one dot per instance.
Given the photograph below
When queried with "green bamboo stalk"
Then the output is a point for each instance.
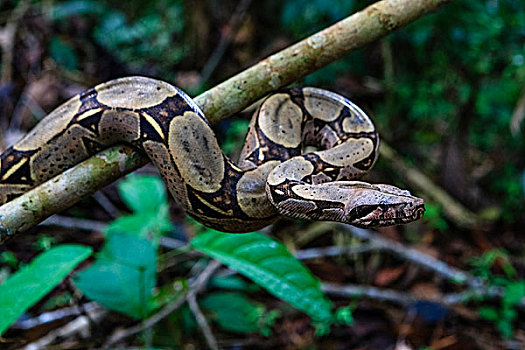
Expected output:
(225, 99)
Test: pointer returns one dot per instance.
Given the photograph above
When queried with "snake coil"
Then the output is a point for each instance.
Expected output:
(272, 178)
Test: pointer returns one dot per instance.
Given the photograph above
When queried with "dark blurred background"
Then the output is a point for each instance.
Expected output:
(447, 92)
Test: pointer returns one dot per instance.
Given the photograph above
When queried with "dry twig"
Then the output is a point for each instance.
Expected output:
(201, 321)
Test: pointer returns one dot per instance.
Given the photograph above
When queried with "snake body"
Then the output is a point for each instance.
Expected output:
(272, 178)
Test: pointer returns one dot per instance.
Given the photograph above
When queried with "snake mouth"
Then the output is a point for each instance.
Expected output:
(386, 215)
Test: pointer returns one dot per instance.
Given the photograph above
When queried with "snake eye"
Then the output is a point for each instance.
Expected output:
(361, 211)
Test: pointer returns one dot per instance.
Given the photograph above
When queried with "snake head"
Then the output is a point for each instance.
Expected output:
(381, 205)
(353, 202)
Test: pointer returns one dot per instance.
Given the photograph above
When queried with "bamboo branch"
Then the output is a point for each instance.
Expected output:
(229, 97)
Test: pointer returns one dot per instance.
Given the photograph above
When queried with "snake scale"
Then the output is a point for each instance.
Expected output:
(272, 178)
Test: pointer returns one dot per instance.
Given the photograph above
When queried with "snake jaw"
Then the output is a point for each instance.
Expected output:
(388, 216)
(385, 205)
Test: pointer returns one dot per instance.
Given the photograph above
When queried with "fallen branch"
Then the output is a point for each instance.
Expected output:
(227, 98)
(201, 321)
(411, 254)
(56, 315)
(324, 252)
(77, 326)
(405, 299)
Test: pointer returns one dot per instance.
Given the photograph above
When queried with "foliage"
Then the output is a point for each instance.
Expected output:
(123, 275)
(235, 312)
(146, 197)
(434, 216)
(457, 73)
(506, 314)
(25, 287)
(305, 18)
(471, 88)
(270, 265)
(144, 37)
(446, 68)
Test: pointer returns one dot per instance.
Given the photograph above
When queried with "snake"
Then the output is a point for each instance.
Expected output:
(274, 176)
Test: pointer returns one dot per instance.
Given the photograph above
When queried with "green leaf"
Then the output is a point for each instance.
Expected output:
(235, 312)
(514, 292)
(123, 276)
(488, 313)
(146, 225)
(343, 316)
(143, 193)
(27, 286)
(270, 265)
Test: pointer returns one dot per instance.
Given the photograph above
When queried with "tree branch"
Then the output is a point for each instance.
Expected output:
(229, 97)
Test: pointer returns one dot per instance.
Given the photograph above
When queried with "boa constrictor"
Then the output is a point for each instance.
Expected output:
(273, 176)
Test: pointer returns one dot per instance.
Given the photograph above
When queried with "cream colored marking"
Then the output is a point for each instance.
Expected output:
(295, 168)
(235, 167)
(251, 191)
(353, 125)
(324, 192)
(134, 92)
(14, 168)
(88, 113)
(323, 108)
(279, 192)
(153, 123)
(55, 122)
(348, 153)
(209, 205)
(333, 191)
(125, 121)
(196, 152)
(280, 120)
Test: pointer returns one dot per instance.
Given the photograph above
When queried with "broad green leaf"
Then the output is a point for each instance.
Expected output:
(143, 193)
(270, 265)
(123, 276)
(514, 292)
(146, 225)
(27, 286)
(234, 312)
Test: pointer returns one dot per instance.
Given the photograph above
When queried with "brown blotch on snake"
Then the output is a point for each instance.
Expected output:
(273, 177)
